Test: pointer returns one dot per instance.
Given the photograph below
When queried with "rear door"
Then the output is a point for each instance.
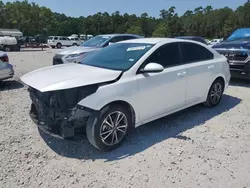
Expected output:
(201, 70)
(165, 91)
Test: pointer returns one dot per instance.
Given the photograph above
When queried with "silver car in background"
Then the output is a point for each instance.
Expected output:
(6, 69)
(76, 54)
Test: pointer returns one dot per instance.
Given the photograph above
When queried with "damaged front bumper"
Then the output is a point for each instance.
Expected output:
(57, 116)
(66, 126)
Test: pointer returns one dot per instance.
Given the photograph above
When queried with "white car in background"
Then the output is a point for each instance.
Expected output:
(125, 85)
(215, 41)
(76, 54)
(6, 69)
(60, 41)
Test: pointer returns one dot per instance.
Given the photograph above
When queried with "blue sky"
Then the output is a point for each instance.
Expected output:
(78, 8)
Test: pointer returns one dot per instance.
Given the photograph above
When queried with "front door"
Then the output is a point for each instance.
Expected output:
(162, 92)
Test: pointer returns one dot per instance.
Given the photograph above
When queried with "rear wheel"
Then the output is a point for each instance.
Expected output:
(59, 45)
(215, 93)
(109, 128)
(7, 49)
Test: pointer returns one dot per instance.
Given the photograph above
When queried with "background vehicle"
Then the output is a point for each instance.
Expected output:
(76, 54)
(215, 41)
(237, 50)
(6, 69)
(8, 44)
(86, 37)
(112, 90)
(76, 40)
(194, 38)
(59, 41)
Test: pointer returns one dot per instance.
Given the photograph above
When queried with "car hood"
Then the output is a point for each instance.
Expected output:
(68, 76)
(76, 50)
(231, 44)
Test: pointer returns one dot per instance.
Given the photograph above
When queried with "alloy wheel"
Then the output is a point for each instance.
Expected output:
(216, 93)
(114, 128)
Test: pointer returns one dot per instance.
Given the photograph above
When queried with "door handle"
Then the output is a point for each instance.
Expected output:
(210, 66)
(182, 74)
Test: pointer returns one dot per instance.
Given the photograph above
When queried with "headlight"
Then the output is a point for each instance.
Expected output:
(73, 56)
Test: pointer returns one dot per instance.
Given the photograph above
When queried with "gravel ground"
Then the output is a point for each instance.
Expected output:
(198, 147)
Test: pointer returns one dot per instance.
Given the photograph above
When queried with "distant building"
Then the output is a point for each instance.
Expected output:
(11, 32)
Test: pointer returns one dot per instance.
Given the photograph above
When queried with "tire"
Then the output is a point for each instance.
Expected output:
(59, 45)
(7, 49)
(215, 93)
(101, 135)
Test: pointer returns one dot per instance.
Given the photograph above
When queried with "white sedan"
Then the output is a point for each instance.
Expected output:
(6, 69)
(124, 86)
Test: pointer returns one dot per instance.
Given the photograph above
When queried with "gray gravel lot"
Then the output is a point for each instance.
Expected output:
(198, 147)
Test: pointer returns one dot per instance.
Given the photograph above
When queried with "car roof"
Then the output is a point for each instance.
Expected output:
(189, 37)
(115, 35)
(155, 40)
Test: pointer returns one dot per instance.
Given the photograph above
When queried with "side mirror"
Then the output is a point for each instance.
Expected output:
(152, 68)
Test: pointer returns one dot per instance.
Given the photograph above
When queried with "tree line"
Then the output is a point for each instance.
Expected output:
(32, 19)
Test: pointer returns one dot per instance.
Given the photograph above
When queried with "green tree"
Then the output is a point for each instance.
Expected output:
(135, 30)
(162, 30)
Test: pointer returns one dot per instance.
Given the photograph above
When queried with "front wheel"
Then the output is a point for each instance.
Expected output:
(59, 45)
(108, 129)
(215, 93)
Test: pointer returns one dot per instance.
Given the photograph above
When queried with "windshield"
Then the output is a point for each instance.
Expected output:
(120, 56)
(240, 34)
(96, 41)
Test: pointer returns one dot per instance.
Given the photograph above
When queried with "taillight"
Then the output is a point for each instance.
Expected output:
(4, 59)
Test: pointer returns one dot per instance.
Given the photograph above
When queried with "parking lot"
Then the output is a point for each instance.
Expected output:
(198, 147)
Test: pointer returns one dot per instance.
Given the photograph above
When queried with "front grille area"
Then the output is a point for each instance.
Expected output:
(57, 59)
(235, 56)
(237, 67)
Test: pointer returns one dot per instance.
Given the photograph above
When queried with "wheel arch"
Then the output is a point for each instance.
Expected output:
(223, 80)
(221, 77)
(127, 106)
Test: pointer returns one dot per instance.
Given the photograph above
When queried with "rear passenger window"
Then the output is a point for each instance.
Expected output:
(167, 56)
(128, 37)
(116, 39)
(194, 53)
(64, 38)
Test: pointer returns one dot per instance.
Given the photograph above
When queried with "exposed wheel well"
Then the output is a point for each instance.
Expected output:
(127, 106)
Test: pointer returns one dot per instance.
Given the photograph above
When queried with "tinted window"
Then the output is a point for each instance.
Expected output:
(128, 37)
(96, 41)
(55, 38)
(167, 56)
(116, 39)
(194, 53)
(64, 38)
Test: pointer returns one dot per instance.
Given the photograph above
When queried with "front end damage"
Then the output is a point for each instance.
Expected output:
(57, 112)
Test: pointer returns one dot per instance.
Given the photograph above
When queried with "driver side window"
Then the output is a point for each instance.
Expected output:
(167, 55)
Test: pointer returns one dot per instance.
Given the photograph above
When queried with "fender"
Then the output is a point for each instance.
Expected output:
(109, 93)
